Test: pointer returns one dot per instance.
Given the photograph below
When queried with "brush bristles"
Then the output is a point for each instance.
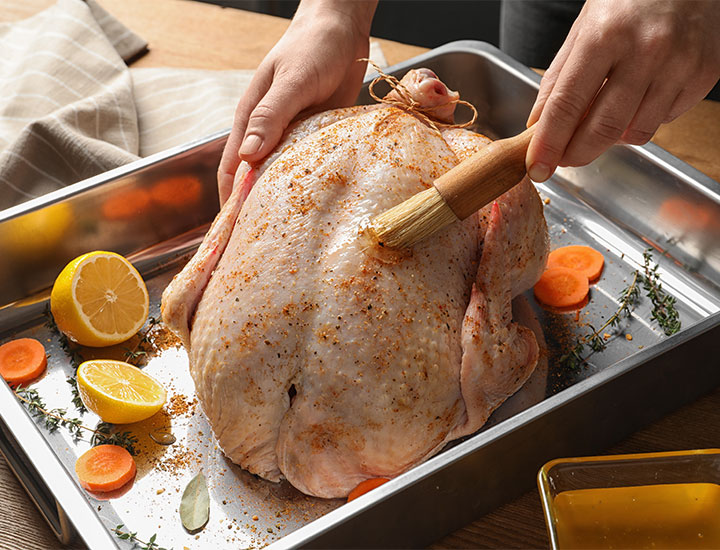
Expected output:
(413, 220)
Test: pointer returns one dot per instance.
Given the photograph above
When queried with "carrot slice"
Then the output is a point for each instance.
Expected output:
(22, 360)
(366, 486)
(105, 468)
(561, 287)
(580, 258)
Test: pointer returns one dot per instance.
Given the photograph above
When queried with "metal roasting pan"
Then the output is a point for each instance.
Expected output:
(630, 199)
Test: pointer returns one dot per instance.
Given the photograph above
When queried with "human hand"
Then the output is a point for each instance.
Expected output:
(625, 68)
(312, 68)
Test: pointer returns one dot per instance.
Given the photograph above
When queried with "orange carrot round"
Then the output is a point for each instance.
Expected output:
(561, 287)
(22, 360)
(366, 486)
(105, 468)
(580, 258)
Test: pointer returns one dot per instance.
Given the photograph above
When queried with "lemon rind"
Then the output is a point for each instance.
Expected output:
(75, 318)
(142, 407)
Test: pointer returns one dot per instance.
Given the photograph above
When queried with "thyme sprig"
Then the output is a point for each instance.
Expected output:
(132, 537)
(76, 400)
(73, 354)
(52, 418)
(68, 347)
(628, 299)
(57, 418)
(664, 311)
(140, 351)
(103, 435)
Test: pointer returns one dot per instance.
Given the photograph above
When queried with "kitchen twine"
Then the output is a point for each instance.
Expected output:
(407, 103)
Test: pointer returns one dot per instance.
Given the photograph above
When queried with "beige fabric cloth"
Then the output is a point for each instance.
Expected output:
(70, 108)
(66, 106)
(175, 106)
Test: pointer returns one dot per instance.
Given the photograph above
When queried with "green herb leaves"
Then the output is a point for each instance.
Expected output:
(132, 537)
(73, 354)
(140, 352)
(104, 435)
(52, 419)
(627, 300)
(195, 504)
(663, 312)
(56, 418)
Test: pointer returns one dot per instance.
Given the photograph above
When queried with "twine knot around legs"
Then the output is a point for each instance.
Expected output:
(407, 103)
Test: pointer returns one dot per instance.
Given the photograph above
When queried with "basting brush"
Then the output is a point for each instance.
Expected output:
(457, 194)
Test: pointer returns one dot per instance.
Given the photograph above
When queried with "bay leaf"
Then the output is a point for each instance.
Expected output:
(195, 504)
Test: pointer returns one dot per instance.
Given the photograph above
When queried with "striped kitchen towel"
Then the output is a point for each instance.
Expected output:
(175, 106)
(66, 103)
(70, 108)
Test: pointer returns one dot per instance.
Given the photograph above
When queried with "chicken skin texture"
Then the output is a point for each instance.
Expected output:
(320, 356)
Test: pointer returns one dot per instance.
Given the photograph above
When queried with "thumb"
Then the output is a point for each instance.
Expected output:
(228, 165)
(270, 117)
(230, 161)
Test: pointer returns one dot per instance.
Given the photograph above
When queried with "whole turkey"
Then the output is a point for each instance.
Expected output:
(322, 357)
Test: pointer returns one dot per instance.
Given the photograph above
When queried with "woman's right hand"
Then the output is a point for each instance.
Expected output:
(625, 68)
(312, 68)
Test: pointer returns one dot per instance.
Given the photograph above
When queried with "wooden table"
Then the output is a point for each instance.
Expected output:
(195, 35)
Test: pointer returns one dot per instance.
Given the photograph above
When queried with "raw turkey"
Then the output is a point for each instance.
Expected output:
(326, 359)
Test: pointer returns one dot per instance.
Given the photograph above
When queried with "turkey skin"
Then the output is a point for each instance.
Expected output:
(326, 359)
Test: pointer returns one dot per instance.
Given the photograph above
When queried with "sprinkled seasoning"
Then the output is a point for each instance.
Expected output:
(180, 404)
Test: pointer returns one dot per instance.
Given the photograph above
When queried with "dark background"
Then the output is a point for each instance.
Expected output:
(429, 23)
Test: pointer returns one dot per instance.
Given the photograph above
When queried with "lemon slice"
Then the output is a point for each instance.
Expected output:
(99, 299)
(118, 392)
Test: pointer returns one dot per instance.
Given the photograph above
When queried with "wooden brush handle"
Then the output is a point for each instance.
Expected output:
(483, 177)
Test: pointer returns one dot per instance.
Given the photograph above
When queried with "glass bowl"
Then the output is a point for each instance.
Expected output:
(650, 500)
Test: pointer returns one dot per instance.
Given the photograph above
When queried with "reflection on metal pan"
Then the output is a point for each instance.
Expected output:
(629, 199)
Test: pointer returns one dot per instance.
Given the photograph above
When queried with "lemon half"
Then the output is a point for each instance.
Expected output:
(119, 392)
(99, 299)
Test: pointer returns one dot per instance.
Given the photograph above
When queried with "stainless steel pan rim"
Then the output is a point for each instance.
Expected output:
(456, 486)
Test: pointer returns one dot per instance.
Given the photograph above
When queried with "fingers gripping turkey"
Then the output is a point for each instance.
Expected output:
(321, 357)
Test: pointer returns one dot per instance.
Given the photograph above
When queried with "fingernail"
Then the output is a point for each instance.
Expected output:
(532, 118)
(539, 172)
(534, 112)
(250, 145)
